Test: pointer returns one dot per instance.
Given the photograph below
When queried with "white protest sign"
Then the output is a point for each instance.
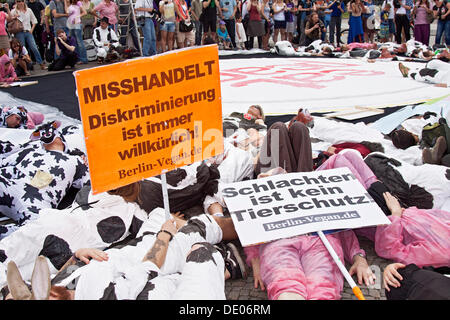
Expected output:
(292, 204)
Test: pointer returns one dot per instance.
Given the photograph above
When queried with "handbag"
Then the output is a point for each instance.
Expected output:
(430, 17)
(15, 26)
(186, 27)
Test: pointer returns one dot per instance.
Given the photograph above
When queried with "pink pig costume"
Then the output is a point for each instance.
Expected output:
(419, 236)
(302, 264)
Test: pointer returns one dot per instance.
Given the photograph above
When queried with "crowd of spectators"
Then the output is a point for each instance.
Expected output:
(31, 31)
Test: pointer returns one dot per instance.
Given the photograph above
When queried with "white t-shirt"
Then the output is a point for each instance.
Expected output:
(11, 55)
(401, 10)
(26, 18)
(143, 4)
(280, 15)
(391, 11)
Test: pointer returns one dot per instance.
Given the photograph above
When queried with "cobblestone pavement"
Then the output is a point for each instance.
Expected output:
(243, 289)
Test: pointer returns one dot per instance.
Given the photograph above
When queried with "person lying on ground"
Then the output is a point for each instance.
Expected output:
(301, 268)
(417, 236)
(181, 263)
(35, 177)
(430, 132)
(409, 282)
(436, 72)
(19, 118)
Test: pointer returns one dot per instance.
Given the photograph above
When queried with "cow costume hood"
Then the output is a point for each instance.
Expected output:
(48, 132)
(20, 111)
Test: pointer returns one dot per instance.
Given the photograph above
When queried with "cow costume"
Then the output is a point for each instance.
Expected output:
(28, 119)
(184, 275)
(35, 178)
(92, 221)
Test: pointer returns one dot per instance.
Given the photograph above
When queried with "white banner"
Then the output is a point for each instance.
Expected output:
(292, 204)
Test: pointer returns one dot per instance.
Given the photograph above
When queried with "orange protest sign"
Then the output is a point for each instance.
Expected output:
(147, 115)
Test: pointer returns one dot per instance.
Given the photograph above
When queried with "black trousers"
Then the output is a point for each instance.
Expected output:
(401, 23)
(231, 28)
(420, 284)
(61, 63)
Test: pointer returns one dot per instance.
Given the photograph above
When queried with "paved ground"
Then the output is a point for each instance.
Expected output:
(244, 290)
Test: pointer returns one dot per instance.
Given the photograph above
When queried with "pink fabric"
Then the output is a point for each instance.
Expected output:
(108, 11)
(419, 236)
(421, 14)
(363, 150)
(3, 16)
(356, 165)
(34, 118)
(354, 45)
(304, 266)
(8, 74)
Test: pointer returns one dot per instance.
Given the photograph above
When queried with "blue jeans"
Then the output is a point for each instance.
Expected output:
(443, 26)
(149, 45)
(27, 39)
(80, 49)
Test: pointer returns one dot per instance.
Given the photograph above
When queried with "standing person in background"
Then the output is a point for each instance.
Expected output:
(127, 23)
(228, 13)
(109, 9)
(391, 22)
(265, 14)
(402, 19)
(441, 11)
(421, 9)
(337, 9)
(304, 9)
(355, 32)
(255, 26)
(76, 11)
(196, 10)
(290, 24)
(167, 9)
(4, 41)
(184, 38)
(88, 21)
(210, 8)
(38, 10)
(144, 10)
(58, 15)
(29, 22)
(279, 8)
(384, 23)
(368, 21)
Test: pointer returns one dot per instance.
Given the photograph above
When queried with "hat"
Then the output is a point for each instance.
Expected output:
(221, 22)
(104, 19)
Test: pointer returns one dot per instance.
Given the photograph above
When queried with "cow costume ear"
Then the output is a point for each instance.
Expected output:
(36, 135)
(56, 124)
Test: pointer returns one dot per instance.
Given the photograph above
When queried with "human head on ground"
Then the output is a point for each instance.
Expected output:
(256, 111)
(14, 117)
(130, 192)
(104, 22)
(403, 139)
(49, 135)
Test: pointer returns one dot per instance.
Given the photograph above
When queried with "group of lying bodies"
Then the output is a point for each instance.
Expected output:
(120, 245)
(388, 50)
